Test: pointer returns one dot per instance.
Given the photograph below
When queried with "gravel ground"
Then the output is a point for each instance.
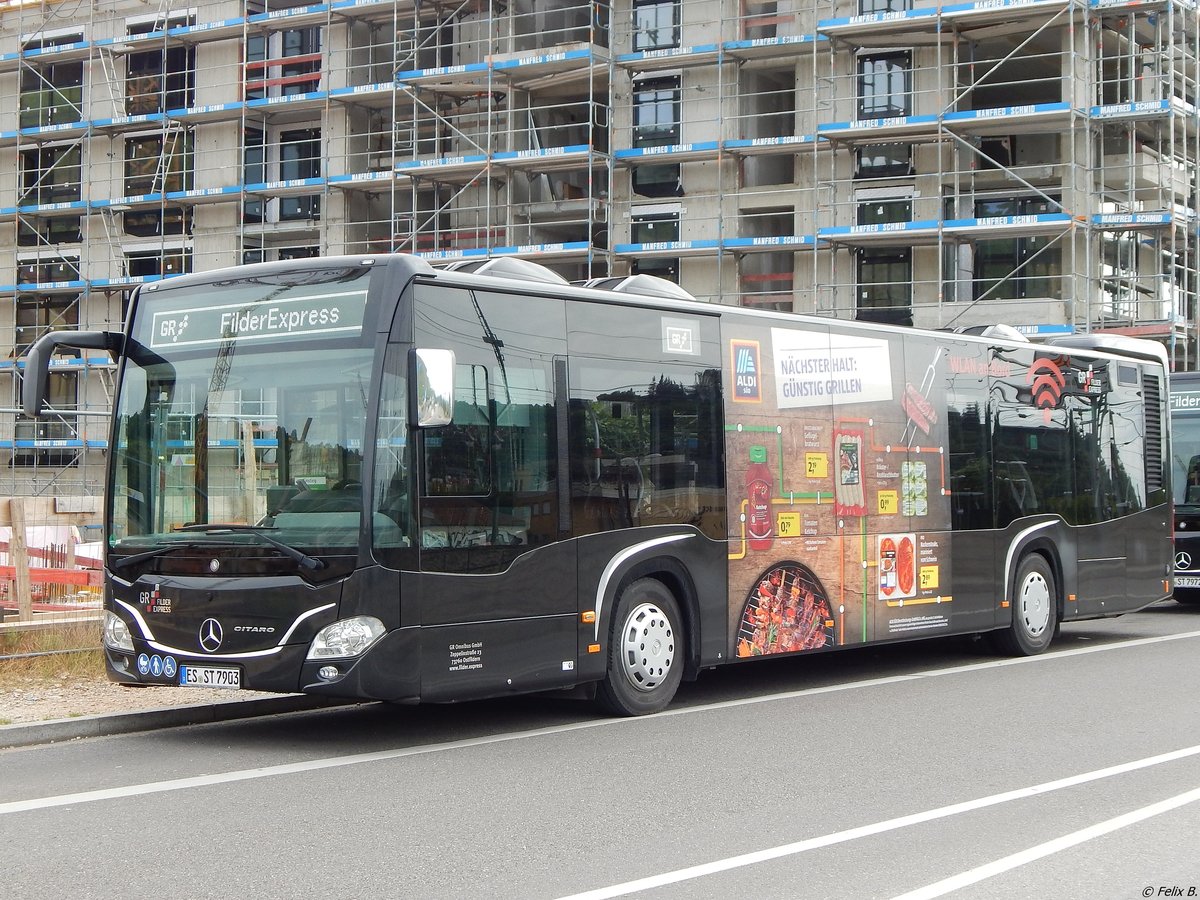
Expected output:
(38, 700)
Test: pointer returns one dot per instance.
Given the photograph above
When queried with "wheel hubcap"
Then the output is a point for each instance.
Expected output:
(647, 646)
(1035, 604)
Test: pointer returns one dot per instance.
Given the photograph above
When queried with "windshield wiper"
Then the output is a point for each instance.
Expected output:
(309, 562)
(135, 558)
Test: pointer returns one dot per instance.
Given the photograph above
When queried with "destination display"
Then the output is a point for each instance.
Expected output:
(1185, 401)
(267, 319)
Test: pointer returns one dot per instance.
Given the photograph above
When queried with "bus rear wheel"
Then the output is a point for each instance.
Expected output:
(645, 651)
(1034, 610)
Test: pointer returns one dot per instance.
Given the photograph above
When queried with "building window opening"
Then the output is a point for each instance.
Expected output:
(656, 123)
(884, 85)
(160, 263)
(884, 161)
(300, 158)
(656, 24)
(157, 163)
(33, 437)
(40, 314)
(656, 112)
(658, 181)
(867, 7)
(883, 212)
(1022, 266)
(655, 228)
(51, 175)
(1126, 297)
(161, 78)
(661, 267)
(252, 253)
(269, 157)
(283, 64)
(42, 232)
(48, 269)
(158, 222)
(51, 93)
(885, 285)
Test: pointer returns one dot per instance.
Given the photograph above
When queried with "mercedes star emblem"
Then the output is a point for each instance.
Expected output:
(210, 635)
(1183, 560)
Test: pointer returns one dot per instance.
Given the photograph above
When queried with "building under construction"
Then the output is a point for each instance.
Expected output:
(1031, 162)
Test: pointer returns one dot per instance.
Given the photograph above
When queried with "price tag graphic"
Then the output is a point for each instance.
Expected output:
(816, 465)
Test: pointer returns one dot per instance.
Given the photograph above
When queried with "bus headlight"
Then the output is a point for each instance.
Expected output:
(348, 637)
(116, 633)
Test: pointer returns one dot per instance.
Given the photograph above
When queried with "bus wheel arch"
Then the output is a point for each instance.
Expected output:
(647, 649)
(678, 580)
(1036, 603)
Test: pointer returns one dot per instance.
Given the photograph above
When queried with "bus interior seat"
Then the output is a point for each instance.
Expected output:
(278, 496)
(386, 532)
(394, 499)
(308, 501)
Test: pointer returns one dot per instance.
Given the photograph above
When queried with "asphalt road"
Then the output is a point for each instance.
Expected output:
(923, 770)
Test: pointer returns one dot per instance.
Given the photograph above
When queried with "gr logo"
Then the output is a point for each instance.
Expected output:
(680, 337)
(172, 329)
(747, 371)
(679, 340)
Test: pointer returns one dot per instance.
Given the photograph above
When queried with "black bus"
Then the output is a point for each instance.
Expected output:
(1185, 471)
(370, 478)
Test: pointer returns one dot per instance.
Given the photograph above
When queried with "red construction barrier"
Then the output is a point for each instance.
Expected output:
(82, 577)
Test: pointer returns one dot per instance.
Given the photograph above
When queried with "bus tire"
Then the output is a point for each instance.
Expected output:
(645, 651)
(1034, 609)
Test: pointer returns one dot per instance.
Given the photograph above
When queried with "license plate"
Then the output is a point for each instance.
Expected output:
(210, 677)
(1187, 581)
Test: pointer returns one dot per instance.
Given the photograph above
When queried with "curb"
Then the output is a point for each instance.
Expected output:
(28, 734)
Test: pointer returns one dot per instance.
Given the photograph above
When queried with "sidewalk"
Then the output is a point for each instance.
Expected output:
(56, 730)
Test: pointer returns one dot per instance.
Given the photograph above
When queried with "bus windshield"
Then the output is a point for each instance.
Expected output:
(1185, 456)
(231, 412)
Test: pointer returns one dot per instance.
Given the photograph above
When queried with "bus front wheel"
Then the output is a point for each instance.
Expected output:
(1034, 609)
(645, 651)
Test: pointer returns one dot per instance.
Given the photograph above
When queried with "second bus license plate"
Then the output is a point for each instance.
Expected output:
(210, 677)
(1187, 581)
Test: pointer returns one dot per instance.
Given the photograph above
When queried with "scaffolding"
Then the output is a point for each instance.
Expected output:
(1025, 161)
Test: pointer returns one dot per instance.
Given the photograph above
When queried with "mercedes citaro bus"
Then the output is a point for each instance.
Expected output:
(365, 477)
(1185, 471)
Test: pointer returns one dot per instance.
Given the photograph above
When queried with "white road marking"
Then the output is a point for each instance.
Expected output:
(199, 781)
(962, 880)
(937, 673)
(862, 831)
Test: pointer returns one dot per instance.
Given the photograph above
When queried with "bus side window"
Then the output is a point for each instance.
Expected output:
(1015, 489)
(391, 520)
(645, 446)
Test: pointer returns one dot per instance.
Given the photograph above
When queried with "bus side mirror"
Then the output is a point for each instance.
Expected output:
(431, 377)
(37, 361)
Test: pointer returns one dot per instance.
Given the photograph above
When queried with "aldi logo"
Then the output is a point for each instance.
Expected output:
(747, 371)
